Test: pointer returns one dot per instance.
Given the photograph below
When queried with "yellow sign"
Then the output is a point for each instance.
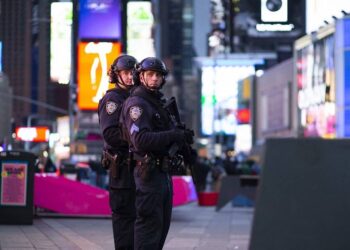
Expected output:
(94, 60)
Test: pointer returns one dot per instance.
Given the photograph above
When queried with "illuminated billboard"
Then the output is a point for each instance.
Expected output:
(33, 134)
(60, 44)
(274, 11)
(100, 19)
(219, 98)
(139, 30)
(316, 88)
(94, 60)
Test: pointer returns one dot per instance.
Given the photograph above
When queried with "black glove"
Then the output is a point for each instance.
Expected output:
(189, 134)
(190, 155)
(178, 135)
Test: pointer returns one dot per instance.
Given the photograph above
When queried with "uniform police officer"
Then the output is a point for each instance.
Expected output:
(116, 153)
(150, 133)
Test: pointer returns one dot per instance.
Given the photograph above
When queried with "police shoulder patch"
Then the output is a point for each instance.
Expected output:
(111, 107)
(135, 112)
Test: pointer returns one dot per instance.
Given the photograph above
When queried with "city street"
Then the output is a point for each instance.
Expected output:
(192, 227)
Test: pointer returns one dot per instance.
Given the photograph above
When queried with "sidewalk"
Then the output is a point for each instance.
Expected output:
(192, 227)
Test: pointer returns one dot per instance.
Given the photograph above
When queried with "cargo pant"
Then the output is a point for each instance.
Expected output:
(154, 202)
(122, 203)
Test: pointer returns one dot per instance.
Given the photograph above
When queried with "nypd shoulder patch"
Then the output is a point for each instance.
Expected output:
(111, 107)
(135, 112)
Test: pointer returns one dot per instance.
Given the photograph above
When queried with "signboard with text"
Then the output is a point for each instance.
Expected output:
(94, 60)
(33, 134)
(13, 183)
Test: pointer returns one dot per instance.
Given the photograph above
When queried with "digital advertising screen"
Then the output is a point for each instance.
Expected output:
(99, 19)
(60, 41)
(139, 30)
(94, 60)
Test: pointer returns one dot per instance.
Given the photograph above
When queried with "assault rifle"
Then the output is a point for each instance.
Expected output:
(185, 149)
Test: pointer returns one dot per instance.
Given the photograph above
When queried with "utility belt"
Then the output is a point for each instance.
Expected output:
(162, 163)
(149, 164)
(115, 161)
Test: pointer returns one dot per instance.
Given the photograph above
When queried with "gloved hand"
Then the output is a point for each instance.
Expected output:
(190, 155)
(189, 136)
(183, 135)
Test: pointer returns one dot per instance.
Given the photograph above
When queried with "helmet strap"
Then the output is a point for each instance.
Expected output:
(146, 85)
(121, 84)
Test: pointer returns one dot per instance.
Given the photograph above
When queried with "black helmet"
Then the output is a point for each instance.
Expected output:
(123, 62)
(152, 63)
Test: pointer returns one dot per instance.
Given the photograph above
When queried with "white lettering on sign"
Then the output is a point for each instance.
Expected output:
(27, 134)
(312, 96)
(274, 27)
(101, 50)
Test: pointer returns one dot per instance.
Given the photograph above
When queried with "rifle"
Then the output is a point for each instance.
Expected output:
(185, 150)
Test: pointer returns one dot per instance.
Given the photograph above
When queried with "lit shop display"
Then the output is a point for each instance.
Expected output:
(219, 95)
(323, 82)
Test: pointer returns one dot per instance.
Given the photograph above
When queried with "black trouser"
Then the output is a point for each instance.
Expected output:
(154, 200)
(122, 202)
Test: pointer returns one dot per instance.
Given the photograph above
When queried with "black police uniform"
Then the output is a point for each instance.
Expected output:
(122, 188)
(150, 133)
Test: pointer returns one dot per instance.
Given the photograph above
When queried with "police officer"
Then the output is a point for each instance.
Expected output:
(116, 153)
(151, 134)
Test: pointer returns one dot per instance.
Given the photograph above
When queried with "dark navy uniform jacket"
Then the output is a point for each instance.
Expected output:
(147, 124)
(109, 109)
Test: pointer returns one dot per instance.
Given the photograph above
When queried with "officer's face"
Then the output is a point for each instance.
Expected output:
(126, 76)
(152, 79)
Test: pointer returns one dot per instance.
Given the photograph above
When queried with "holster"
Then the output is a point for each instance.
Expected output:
(111, 162)
(148, 164)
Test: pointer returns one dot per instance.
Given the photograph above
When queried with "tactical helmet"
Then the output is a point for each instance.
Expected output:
(123, 62)
(152, 63)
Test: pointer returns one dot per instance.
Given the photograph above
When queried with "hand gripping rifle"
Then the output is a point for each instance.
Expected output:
(185, 149)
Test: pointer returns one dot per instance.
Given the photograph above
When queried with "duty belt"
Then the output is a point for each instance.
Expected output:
(160, 162)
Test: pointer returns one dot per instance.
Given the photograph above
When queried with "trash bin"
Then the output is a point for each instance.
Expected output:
(16, 187)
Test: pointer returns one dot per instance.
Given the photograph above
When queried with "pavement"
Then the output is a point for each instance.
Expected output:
(192, 227)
